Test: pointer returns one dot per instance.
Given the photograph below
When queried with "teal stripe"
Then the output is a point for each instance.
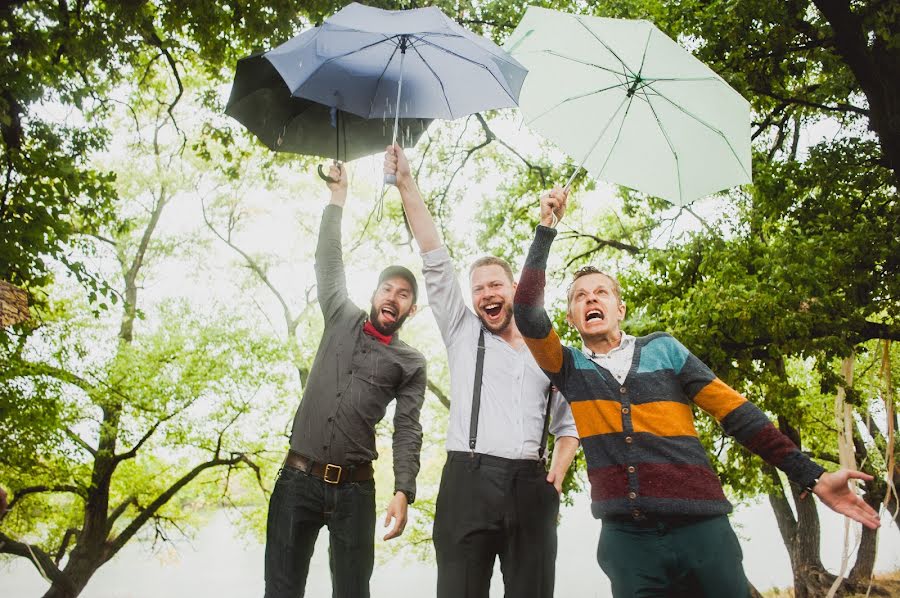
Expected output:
(663, 353)
(581, 362)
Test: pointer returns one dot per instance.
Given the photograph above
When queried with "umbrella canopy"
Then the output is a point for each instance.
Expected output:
(632, 105)
(261, 101)
(358, 58)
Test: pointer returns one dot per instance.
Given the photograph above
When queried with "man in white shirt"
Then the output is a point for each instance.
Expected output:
(496, 497)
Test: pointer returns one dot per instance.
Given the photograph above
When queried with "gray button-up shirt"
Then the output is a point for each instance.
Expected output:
(514, 389)
(354, 377)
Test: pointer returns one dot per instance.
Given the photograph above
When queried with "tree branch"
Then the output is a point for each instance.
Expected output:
(150, 510)
(41, 560)
(439, 393)
(839, 107)
(64, 488)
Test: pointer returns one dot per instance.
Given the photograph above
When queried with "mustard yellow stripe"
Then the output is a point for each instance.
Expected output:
(663, 418)
(718, 399)
(547, 351)
(597, 417)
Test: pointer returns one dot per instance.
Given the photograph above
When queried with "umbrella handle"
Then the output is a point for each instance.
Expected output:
(390, 179)
(324, 176)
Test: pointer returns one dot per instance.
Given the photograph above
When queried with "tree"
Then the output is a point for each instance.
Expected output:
(110, 425)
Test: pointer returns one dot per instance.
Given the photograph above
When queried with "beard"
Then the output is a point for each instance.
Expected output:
(502, 324)
(385, 329)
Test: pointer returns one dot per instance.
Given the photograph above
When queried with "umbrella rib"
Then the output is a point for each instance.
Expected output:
(612, 148)
(678, 79)
(665, 134)
(573, 98)
(644, 55)
(596, 66)
(380, 78)
(441, 83)
(602, 43)
(476, 63)
(702, 122)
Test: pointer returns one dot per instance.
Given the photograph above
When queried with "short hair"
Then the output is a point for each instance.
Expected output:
(492, 260)
(585, 271)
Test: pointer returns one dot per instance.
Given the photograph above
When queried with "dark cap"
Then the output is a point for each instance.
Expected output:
(400, 272)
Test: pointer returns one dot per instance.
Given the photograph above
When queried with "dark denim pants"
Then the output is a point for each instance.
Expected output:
(299, 507)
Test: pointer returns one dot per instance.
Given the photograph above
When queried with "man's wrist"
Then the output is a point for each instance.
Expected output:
(410, 496)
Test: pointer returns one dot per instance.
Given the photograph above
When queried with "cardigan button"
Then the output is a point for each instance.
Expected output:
(632, 495)
(625, 410)
(631, 469)
(623, 390)
(628, 439)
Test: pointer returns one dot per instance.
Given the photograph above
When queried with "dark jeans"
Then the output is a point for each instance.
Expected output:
(489, 507)
(658, 559)
(299, 507)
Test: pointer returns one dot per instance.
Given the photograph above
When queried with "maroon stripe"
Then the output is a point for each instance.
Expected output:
(770, 444)
(608, 482)
(666, 480)
(531, 287)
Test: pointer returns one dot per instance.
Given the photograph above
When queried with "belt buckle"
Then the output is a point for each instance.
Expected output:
(326, 475)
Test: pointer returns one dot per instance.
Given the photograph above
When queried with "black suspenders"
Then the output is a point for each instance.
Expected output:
(476, 402)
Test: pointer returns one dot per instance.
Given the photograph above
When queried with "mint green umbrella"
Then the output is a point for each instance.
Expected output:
(631, 105)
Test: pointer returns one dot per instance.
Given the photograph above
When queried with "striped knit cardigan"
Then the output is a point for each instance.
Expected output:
(642, 449)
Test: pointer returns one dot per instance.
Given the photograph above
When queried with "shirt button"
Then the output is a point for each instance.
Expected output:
(628, 439)
(625, 410)
(636, 513)
(331, 419)
(623, 390)
(631, 469)
(324, 447)
(632, 495)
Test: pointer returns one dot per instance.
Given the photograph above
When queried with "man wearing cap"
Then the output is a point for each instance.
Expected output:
(496, 498)
(327, 478)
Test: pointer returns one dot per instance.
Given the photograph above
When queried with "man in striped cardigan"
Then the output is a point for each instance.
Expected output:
(665, 531)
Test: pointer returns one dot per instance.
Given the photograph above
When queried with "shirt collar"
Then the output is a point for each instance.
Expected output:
(627, 341)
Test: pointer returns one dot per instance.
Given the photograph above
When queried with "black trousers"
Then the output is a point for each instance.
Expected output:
(489, 507)
(300, 505)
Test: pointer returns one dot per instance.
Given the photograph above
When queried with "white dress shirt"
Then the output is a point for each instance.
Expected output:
(514, 389)
(618, 360)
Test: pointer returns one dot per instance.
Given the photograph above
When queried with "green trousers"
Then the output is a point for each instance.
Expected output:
(670, 558)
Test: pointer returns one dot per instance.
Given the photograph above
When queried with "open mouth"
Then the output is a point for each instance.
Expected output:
(594, 315)
(493, 309)
(389, 313)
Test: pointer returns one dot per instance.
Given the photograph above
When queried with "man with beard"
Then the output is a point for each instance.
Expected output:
(496, 497)
(327, 478)
(665, 527)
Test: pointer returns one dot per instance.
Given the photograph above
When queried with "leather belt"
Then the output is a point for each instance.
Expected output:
(329, 472)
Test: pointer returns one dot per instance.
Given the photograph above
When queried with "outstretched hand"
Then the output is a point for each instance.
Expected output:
(395, 163)
(397, 510)
(834, 490)
(553, 203)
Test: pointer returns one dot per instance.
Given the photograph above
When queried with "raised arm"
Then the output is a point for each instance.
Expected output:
(420, 219)
(444, 293)
(331, 282)
(531, 317)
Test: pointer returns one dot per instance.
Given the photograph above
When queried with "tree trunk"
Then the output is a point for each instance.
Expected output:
(875, 63)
